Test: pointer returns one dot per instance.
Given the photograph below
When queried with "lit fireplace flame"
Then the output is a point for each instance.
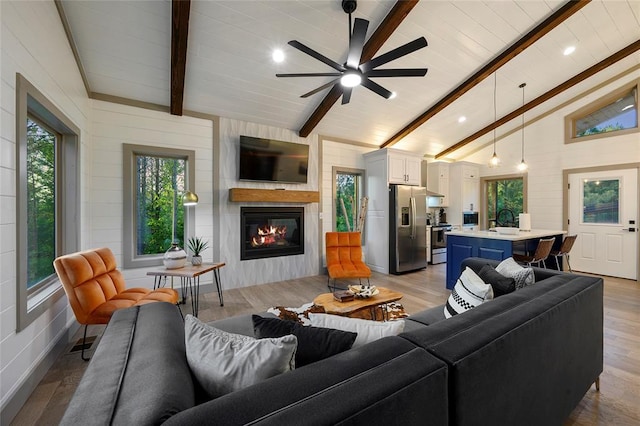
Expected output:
(268, 235)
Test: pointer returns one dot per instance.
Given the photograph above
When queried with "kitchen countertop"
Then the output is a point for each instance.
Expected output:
(521, 235)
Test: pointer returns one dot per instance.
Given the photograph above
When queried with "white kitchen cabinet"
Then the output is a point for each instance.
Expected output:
(404, 169)
(438, 181)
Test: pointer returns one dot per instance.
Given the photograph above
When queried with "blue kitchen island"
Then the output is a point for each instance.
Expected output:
(492, 245)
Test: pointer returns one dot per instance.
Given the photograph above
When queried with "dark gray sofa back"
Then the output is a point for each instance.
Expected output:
(138, 375)
(524, 358)
(388, 381)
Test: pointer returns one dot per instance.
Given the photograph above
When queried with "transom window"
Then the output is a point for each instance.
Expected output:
(614, 114)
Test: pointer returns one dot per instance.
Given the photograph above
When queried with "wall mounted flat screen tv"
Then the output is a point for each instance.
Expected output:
(272, 160)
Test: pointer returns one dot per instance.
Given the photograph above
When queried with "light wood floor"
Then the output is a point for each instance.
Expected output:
(617, 403)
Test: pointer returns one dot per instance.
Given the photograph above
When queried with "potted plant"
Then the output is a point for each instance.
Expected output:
(197, 245)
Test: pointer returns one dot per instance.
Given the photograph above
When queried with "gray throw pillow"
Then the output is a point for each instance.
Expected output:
(224, 362)
(522, 276)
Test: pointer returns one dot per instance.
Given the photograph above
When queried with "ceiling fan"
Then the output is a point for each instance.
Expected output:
(353, 73)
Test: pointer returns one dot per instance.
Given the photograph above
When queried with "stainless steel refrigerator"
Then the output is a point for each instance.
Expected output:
(407, 228)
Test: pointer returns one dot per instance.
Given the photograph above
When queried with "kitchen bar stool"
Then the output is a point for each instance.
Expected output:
(542, 252)
(565, 248)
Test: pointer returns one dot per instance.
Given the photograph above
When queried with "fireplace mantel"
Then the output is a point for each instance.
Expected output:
(273, 195)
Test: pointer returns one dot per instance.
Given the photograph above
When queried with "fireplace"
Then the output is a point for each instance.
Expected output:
(271, 232)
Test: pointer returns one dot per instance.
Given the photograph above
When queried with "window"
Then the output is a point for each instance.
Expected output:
(601, 201)
(614, 114)
(154, 181)
(48, 199)
(348, 189)
(505, 201)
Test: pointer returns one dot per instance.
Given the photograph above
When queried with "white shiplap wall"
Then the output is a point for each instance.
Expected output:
(548, 155)
(114, 125)
(238, 273)
(41, 53)
(340, 155)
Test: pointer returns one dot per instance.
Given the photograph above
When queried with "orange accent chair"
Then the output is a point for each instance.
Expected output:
(344, 257)
(96, 288)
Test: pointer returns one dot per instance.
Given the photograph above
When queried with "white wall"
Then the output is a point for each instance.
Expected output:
(114, 125)
(547, 156)
(336, 154)
(41, 53)
(244, 273)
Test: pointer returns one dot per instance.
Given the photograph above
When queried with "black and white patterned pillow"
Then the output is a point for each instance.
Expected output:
(469, 292)
(522, 276)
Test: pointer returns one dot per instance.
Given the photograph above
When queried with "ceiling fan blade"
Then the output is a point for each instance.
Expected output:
(346, 95)
(356, 42)
(301, 47)
(319, 89)
(312, 74)
(396, 53)
(375, 87)
(401, 72)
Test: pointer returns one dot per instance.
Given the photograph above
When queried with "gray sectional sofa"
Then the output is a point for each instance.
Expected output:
(525, 358)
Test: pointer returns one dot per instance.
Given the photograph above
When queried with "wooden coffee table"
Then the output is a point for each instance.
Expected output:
(332, 306)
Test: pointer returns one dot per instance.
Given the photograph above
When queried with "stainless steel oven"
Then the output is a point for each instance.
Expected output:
(439, 243)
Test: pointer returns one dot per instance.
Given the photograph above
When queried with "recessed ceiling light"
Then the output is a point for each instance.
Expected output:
(393, 95)
(278, 55)
(462, 119)
(628, 107)
(569, 50)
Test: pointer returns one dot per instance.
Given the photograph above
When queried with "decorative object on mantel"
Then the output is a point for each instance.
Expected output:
(523, 165)
(494, 161)
(273, 195)
(197, 245)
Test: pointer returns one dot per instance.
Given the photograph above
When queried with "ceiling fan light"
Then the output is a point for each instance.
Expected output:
(351, 79)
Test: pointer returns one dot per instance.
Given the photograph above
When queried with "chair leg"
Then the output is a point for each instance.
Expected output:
(568, 264)
(598, 383)
(557, 263)
(84, 338)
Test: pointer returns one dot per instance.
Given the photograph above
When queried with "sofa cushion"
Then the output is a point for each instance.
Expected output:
(501, 285)
(367, 330)
(469, 292)
(522, 276)
(314, 343)
(225, 362)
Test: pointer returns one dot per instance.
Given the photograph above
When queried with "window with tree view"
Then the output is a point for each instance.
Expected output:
(160, 184)
(505, 201)
(41, 204)
(155, 179)
(347, 198)
(601, 201)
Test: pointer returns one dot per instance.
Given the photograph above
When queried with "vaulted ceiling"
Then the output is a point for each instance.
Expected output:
(124, 49)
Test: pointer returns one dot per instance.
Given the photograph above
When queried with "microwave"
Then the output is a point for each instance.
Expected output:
(469, 218)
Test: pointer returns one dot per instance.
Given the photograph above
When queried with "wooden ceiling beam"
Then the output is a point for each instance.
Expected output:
(619, 55)
(179, 33)
(511, 52)
(393, 19)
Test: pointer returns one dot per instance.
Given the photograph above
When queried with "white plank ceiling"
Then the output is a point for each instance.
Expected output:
(124, 48)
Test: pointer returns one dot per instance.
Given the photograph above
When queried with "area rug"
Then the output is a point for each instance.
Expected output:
(395, 311)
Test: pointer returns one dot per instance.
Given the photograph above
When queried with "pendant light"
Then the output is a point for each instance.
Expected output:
(523, 165)
(494, 161)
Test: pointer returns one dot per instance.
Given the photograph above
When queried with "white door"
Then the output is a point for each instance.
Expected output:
(603, 212)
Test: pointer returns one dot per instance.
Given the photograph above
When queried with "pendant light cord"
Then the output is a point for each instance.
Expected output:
(495, 111)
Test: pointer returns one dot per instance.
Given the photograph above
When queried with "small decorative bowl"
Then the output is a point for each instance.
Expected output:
(363, 291)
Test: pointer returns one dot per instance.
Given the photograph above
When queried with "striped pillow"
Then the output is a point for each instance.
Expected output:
(469, 292)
